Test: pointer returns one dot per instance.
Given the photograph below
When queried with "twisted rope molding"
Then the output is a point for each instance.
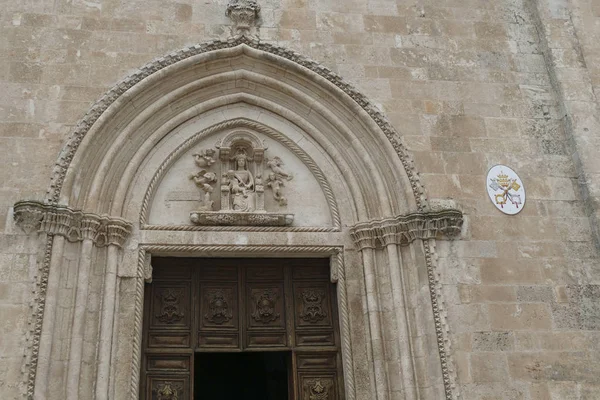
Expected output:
(257, 127)
(250, 249)
(196, 228)
(38, 316)
(339, 276)
(137, 321)
(440, 321)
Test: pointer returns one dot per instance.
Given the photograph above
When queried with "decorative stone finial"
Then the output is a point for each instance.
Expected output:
(244, 14)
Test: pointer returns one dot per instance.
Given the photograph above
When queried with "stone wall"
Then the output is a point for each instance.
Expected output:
(468, 83)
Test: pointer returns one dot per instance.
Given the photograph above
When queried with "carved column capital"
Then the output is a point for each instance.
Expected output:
(74, 225)
(404, 229)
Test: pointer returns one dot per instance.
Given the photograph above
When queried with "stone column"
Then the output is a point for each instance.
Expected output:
(379, 243)
(63, 225)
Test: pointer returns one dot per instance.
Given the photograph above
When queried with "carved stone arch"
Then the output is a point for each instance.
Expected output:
(382, 241)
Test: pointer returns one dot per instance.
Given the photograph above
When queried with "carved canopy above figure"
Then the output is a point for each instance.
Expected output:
(242, 183)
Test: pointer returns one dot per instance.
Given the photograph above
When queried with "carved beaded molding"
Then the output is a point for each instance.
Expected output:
(404, 229)
(74, 225)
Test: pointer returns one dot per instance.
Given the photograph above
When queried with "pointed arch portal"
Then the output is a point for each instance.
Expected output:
(117, 198)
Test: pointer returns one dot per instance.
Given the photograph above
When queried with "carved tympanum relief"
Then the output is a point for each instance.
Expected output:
(242, 165)
(237, 177)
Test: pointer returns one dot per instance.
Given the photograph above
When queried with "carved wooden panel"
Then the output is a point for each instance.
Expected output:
(168, 340)
(265, 306)
(216, 305)
(168, 387)
(318, 387)
(218, 312)
(312, 305)
(166, 363)
(264, 273)
(171, 306)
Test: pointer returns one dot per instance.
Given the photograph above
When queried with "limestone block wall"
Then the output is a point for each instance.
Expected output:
(468, 83)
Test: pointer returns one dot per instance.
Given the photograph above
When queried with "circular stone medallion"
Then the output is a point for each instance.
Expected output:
(505, 189)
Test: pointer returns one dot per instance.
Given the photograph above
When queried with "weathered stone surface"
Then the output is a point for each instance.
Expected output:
(467, 84)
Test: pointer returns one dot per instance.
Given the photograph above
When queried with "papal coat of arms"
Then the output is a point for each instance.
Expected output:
(505, 189)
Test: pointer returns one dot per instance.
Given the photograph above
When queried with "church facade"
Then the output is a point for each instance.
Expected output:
(311, 200)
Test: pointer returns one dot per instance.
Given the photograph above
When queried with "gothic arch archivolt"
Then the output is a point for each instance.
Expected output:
(107, 168)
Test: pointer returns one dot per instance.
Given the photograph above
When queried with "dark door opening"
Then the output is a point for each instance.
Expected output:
(235, 376)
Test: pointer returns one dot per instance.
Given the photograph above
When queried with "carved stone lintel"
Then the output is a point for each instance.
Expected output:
(74, 225)
(217, 218)
(404, 229)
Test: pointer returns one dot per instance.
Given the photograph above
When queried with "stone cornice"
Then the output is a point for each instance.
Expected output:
(74, 225)
(404, 229)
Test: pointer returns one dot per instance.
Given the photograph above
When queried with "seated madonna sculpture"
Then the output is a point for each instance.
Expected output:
(241, 184)
(241, 164)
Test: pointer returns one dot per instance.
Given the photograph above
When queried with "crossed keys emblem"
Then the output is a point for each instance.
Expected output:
(505, 184)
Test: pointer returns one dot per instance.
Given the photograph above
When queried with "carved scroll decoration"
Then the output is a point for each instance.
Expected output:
(312, 305)
(264, 306)
(218, 303)
(170, 312)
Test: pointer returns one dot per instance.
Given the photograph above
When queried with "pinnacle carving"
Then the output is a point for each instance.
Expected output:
(244, 14)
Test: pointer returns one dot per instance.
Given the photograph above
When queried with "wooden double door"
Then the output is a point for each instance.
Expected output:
(246, 329)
